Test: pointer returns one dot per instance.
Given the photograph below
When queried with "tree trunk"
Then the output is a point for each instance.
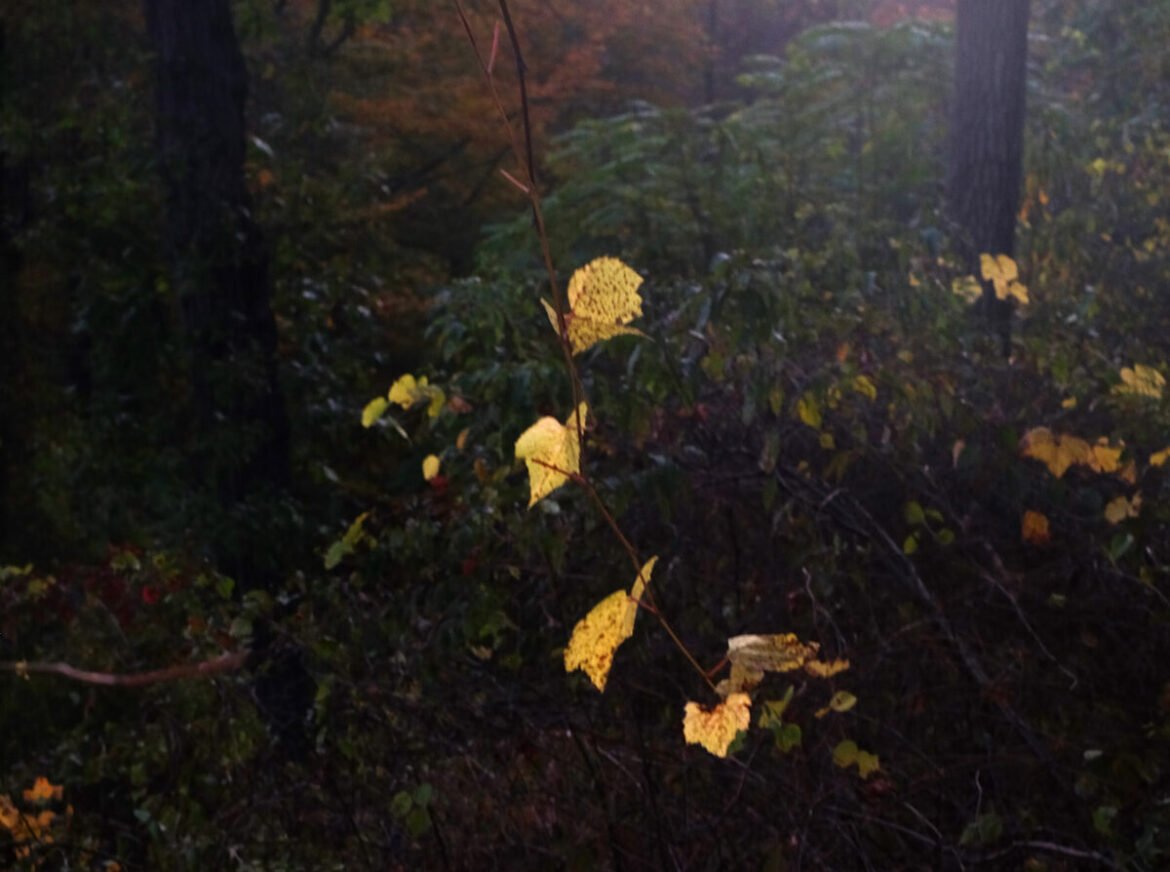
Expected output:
(240, 433)
(987, 137)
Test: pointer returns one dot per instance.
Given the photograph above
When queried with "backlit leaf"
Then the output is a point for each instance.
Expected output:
(1141, 381)
(825, 668)
(407, 391)
(1103, 457)
(782, 652)
(1117, 510)
(603, 299)
(1058, 453)
(809, 411)
(968, 288)
(842, 701)
(430, 467)
(373, 411)
(847, 753)
(597, 636)
(715, 728)
(1034, 528)
(1002, 272)
(552, 452)
(1158, 458)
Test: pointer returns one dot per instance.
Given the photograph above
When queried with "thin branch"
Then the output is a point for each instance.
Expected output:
(223, 663)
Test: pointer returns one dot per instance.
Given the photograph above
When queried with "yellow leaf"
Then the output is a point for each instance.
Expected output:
(609, 623)
(1034, 528)
(1002, 272)
(1057, 452)
(1141, 381)
(461, 439)
(715, 728)
(741, 679)
(405, 390)
(1103, 457)
(782, 652)
(825, 668)
(430, 467)
(373, 411)
(603, 299)
(1121, 508)
(863, 385)
(968, 288)
(552, 452)
(809, 411)
(1160, 457)
(1068, 403)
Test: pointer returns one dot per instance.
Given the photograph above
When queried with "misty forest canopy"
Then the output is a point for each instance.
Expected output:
(522, 434)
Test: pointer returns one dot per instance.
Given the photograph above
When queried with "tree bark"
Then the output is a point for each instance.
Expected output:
(219, 264)
(986, 146)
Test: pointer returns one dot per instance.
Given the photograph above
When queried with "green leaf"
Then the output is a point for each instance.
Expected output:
(984, 830)
(842, 701)
(1103, 816)
(911, 544)
(418, 821)
(787, 738)
(336, 552)
(401, 804)
(915, 517)
(845, 754)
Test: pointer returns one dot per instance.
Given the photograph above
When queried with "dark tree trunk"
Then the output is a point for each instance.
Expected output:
(987, 137)
(219, 264)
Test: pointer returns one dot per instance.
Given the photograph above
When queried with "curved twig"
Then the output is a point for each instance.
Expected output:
(223, 663)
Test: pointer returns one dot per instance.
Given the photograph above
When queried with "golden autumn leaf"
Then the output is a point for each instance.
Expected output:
(603, 299)
(42, 789)
(1141, 381)
(968, 288)
(1034, 528)
(1002, 272)
(407, 391)
(373, 411)
(782, 652)
(1103, 457)
(825, 668)
(1057, 452)
(597, 636)
(430, 467)
(1117, 510)
(809, 411)
(1158, 458)
(865, 386)
(552, 452)
(741, 679)
(715, 728)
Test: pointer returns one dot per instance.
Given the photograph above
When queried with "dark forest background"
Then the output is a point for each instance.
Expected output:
(241, 630)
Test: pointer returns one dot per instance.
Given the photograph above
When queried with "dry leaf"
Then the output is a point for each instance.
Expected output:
(715, 728)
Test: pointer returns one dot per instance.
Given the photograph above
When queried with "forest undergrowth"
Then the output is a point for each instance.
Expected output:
(815, 433)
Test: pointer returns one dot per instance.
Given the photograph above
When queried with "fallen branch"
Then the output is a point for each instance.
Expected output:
(223, 663)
